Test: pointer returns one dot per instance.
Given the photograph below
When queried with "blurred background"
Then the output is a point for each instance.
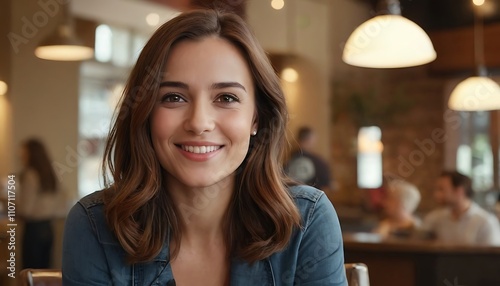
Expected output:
(400, 113)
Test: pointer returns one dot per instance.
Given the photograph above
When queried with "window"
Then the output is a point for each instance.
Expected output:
(101, 86)
(370, 150)
(474, 156)
(98, 98)
(117, 46)
(103, 43)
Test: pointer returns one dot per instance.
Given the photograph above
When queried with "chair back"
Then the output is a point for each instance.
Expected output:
(40, 277)
(357, 274)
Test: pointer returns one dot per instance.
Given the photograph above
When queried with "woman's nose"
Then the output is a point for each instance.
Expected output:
(200, 118)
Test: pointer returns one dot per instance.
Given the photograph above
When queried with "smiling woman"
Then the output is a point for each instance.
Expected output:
(207, 102)
(198, 192)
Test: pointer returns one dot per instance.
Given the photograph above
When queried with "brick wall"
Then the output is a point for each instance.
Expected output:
(408, 106)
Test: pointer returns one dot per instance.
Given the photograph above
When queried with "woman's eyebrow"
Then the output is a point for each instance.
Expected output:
(220, 85)
(174, 84)
(217, 85)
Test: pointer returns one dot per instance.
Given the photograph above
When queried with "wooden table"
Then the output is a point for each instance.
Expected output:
(423, 263)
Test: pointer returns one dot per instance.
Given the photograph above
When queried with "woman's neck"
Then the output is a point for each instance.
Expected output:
(202, 210)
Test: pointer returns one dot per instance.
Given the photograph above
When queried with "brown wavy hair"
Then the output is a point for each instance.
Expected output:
(261, 215)
(458, 179)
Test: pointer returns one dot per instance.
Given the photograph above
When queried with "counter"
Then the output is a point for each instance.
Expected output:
(411, 262)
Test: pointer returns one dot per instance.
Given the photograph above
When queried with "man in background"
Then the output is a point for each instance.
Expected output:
(460, 220)
(307, 167)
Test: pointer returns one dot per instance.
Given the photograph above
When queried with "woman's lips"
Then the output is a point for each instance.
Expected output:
(199, 152)
(200, 149)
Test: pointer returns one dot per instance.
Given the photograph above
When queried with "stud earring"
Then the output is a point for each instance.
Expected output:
(254, 133)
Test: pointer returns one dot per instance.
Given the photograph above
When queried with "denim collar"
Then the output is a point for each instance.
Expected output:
(258, 273)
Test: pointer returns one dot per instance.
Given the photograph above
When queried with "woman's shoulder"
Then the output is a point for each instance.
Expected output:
(316, 245)
(311, 203)
(92, 200)
(89, 210)
(304, 192)
(91, 206)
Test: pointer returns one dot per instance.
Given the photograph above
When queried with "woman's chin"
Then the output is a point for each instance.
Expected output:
(200, 181)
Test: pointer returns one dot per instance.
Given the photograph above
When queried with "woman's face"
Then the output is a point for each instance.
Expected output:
(392, 204)
(205, 112)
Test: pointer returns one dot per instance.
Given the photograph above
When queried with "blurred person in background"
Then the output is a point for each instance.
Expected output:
(38, 202)
(307, 167)
(399, 204)
(460, 220)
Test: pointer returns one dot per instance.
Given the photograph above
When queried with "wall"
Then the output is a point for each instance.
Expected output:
(44, 93)
(407, 104)
(298, 34)
(44, 96)
(5, 102)
(5, 129)
(408, 107)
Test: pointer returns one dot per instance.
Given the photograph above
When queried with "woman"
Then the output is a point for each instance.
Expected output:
(401, 201)
(37, 202)
(198, 193)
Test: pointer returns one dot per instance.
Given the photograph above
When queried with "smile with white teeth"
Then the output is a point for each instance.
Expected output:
(200, 149)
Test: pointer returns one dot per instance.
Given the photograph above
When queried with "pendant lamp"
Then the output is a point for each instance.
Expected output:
(63, 44)
(388, 41)
(476, 93)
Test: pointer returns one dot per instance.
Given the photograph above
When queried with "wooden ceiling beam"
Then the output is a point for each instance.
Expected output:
(455, 49)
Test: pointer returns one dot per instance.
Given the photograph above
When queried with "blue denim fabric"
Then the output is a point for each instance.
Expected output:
(314, 256)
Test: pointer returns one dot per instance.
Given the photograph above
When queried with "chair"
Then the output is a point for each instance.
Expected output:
(40, 277)
(357, 274)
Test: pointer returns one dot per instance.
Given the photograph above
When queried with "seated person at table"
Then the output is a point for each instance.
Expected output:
(460, 220)
(401, 200)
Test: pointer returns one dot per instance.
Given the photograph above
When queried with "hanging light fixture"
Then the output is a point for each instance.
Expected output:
(476, 93)
(63, 44)
(388, 41)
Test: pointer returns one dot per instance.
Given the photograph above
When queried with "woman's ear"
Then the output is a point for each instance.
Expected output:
(255, 125)
(254, 130)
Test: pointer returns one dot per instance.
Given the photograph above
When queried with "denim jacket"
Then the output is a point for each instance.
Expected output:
(92, 254)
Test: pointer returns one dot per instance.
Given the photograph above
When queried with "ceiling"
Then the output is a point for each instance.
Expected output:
(131, 14)
(444, 14)
(123, 13)
(429, 14)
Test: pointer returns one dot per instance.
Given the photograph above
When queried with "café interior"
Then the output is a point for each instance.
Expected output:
(384, 103)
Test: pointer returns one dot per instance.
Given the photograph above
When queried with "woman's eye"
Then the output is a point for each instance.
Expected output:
(228, 98)
(172, 98)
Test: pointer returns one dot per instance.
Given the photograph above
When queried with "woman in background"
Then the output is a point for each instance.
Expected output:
(401, 201)
(37, 203)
